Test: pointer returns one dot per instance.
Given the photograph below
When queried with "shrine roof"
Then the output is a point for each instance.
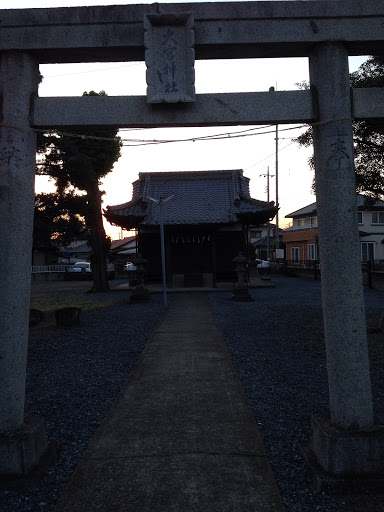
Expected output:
(191, 198)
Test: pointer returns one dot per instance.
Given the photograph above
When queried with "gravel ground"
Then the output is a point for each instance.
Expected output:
(276, 344)
(277, 347)
(72, 379)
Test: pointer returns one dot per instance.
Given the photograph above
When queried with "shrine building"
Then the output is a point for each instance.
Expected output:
(206, 215)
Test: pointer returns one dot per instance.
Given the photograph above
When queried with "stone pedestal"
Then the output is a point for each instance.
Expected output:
(140, 294)
(241, 294)
(67, 317)
(23, 449)
(340, 460)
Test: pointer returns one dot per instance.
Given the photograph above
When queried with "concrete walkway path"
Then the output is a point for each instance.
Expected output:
(180, 436)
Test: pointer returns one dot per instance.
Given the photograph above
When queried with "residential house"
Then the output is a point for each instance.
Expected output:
(263, 238)
(124, 250)
(206, 215)
(302, 237)
(77, 251)
(44, 255)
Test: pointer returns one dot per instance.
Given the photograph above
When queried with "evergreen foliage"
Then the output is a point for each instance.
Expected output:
(368, 135)
(77, 160)
(59, 219)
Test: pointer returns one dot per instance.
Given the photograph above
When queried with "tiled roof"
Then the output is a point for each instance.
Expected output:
(116, 244)
(361, 202)
(199, 197)
(264, 241)
(77, 248)
(369, 202)
(311, 208)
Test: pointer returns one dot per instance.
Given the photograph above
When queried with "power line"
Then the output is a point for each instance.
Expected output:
(128, 65)
(269, 156)
(145, 142)
(229, 135)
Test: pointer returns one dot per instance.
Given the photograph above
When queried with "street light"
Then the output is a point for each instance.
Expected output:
(272, 89)
(161, 202)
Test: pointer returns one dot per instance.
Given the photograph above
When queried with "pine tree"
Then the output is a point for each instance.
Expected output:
(77, 160)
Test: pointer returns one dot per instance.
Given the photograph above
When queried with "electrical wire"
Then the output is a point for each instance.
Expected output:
(144, 142)
(128, 65)
(269, 156)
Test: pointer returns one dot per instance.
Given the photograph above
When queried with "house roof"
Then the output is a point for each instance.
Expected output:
(307, 210)
(264, 241)
(119, 244)
(198, 197)
(80, 247)
(362, 202)
(265, 225)
(368, 202)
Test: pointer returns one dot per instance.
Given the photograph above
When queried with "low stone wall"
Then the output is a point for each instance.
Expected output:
(62, 276)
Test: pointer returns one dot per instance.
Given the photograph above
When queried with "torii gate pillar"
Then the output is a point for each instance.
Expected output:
(346, 442)
(346, 338)
(22, 441)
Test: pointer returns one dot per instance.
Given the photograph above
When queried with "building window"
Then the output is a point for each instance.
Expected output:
(313, 221)
(295, 254)
(360, 217)
(312, 252)
(299, 222)
(255, 234)
(367, 251)
(377, 217)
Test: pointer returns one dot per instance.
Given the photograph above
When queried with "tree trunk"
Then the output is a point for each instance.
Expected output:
(98, 242)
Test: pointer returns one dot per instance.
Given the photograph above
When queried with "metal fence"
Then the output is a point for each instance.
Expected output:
(374, 265)
(42, 269)
(373, 271)
(306, 264)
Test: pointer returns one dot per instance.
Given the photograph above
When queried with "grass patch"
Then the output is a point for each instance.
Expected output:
(48, 296)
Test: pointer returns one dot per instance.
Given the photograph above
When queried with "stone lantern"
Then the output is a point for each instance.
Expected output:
(240, 290)
(140, 293)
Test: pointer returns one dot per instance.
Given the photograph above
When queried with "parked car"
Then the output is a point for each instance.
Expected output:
(80, 266)
(128, 267)
(262, 263)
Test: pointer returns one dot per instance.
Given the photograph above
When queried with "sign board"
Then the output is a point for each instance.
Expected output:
(170, 58)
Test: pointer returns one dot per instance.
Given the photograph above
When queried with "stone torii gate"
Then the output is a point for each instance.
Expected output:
(326, 32)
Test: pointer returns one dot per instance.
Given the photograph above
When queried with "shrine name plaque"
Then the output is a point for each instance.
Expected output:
(170, 58)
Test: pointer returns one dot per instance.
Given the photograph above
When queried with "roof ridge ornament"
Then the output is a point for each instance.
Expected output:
(236, 191)
(146, 188)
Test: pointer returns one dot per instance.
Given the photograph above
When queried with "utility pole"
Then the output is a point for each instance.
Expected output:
(268, 234)
(277, 188)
